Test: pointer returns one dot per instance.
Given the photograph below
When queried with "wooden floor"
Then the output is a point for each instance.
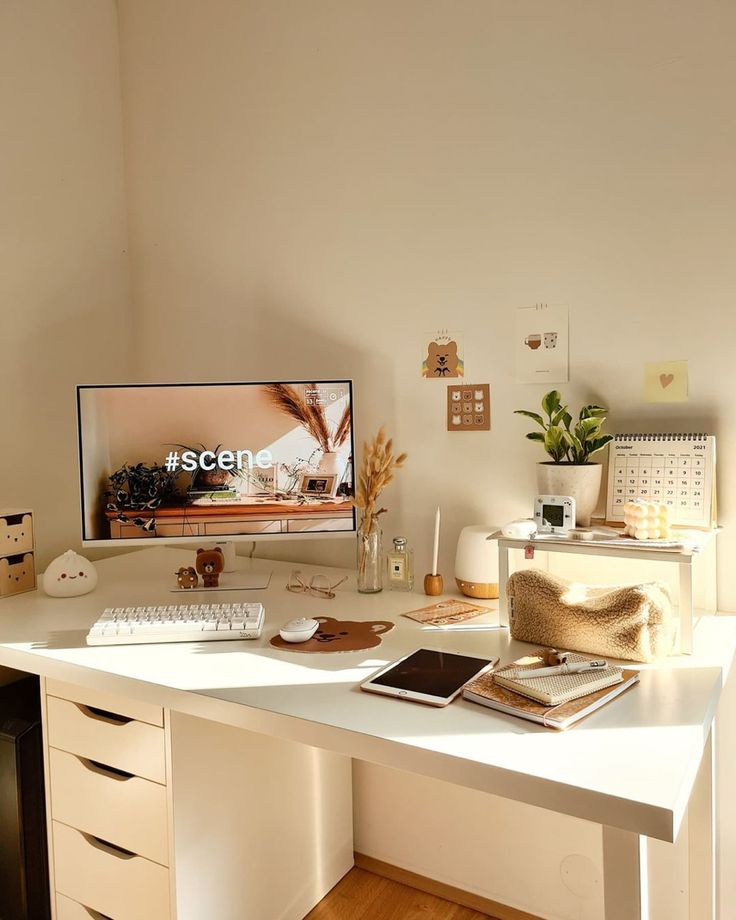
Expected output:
(362, 895)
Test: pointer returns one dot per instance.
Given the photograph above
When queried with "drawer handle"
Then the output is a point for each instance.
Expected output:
(99, 844)
(95, 914)
(102, 769)
(102, 715)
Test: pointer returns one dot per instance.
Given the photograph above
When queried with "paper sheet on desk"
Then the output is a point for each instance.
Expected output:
(450, 613)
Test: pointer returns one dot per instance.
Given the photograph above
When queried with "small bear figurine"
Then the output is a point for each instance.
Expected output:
(210, 562)
(186, 577)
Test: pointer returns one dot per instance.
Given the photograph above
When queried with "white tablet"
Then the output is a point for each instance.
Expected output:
(428, 676)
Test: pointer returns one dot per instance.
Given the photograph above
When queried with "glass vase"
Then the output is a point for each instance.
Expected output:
(370, 571)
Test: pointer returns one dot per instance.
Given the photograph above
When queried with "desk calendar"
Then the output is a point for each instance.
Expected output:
(676, 470)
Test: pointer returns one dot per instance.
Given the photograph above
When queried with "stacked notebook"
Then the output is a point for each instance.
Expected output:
(557, 701)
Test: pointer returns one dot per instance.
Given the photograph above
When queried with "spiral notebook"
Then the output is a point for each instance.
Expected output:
(676, 470)
(558, 688)
(488, 691)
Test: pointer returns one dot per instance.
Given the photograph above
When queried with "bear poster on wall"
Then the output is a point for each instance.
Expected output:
(442, 357)
(541, 344)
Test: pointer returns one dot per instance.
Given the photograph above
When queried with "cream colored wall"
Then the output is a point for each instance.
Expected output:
(311, 186)
(64, 295)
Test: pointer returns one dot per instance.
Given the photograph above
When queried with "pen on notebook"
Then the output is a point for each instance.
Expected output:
(527, 673)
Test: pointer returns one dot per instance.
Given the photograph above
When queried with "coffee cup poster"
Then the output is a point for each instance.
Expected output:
(541, 344)
(443, 355)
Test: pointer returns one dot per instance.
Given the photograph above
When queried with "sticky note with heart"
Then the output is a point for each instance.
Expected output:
(666, 381)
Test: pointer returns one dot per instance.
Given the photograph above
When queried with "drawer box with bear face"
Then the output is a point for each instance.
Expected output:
(17, 574)
(16, 534)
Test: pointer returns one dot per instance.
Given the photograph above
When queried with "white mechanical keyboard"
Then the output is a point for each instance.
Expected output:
(179, 623)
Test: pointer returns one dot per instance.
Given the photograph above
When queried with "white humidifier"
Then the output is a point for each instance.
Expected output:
(476, 561)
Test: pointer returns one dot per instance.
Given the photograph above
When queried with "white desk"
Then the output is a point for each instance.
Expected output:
(632, 767)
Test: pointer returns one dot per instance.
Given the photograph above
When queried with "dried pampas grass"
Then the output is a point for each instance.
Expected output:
(310, 417)
(376, 472)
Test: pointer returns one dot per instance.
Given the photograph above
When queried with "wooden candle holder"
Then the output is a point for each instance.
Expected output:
(433, 585)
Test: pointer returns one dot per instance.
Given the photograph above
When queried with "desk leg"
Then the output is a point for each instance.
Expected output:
(503, 577)
(653, 880)
(701, 839)
(686, 608)
(625, 884)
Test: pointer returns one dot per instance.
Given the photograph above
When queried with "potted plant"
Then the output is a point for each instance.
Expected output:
(136, 491)
(570, 443)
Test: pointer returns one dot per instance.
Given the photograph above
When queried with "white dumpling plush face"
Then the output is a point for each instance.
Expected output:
(69, 575)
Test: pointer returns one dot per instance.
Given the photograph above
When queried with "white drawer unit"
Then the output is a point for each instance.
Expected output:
(107, 879)
(154, 815)
(107, 737)
(125, 810)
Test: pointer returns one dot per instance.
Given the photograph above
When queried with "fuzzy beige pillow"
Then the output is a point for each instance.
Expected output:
(633, 622)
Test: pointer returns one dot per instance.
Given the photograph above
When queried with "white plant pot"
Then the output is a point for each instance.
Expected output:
(581, 481)
(333, 463)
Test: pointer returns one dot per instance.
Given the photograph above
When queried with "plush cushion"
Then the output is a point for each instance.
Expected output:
(633, 622)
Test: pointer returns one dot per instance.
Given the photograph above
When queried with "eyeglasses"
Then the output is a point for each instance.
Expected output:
(318, 585)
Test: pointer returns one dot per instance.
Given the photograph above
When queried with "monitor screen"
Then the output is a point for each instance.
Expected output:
(219, 461)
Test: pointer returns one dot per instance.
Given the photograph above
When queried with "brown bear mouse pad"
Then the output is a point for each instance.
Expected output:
(339, 636)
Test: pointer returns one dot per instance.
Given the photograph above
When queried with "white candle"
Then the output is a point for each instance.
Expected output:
(436, 541)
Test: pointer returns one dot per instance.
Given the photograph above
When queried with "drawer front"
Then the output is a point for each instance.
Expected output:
(17, 574)
(122, 809)
(135, 747)
(338, 522)
(66, 909)
(112, 702)
(114, 883)
(212, 528)
(16, 534)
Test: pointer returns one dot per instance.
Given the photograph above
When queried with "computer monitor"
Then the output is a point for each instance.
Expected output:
(215, 461)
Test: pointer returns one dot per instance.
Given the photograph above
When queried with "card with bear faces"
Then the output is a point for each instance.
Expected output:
(469, 407)
(443, 355)
(541, 344)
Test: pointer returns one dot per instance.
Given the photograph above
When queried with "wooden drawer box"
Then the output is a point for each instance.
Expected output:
(17, 574)
(115, 883)
(106, 737)
(125, 810)
(16, 533)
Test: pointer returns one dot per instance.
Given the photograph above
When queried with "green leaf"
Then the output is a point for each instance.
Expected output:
(599, 443)
(588, 428)
(536, 436)
(533, 415)
(576, 448)
(559, 415)
(551, 402)
(554, 443)
(593, 412)
(567, 420)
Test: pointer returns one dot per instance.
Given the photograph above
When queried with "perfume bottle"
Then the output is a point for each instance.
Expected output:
(400, 566)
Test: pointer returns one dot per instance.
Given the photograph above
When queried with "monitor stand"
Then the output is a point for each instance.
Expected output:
(228, 551)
